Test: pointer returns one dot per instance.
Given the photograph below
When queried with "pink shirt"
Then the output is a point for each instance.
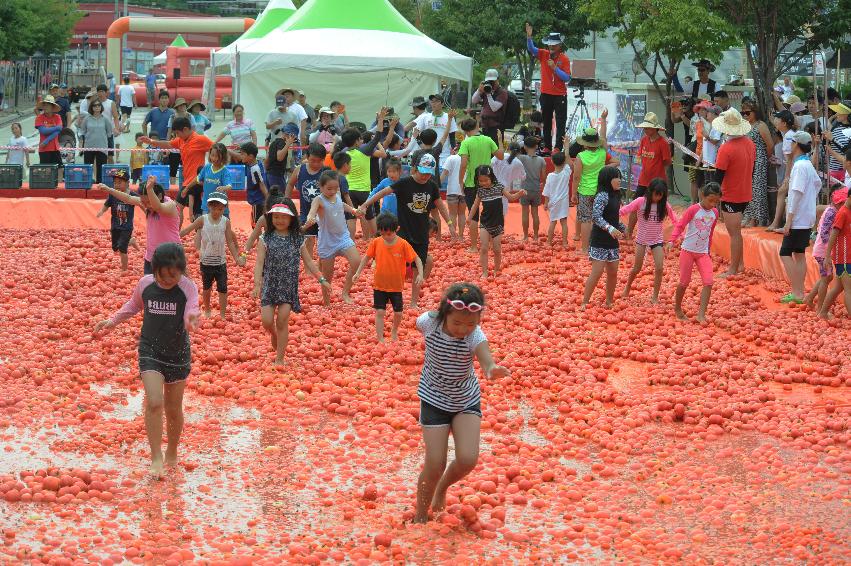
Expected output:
(824, 228)
(698, 225)
(649, 230)
(161, 229)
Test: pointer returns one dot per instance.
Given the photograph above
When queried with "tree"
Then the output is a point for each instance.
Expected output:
(471, 26)
(771, 29)
(28, 27)
(663, 34)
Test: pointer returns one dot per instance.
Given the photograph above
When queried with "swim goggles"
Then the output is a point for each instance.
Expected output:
(460, 305)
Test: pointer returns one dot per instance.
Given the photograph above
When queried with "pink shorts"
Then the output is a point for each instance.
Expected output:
(687, 262)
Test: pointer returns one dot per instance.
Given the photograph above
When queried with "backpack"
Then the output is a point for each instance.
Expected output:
(512, 111)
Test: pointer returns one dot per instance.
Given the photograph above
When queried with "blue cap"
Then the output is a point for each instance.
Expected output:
(290, 129)
(63, 85)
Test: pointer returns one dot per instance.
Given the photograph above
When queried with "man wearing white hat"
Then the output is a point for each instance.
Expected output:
(734, 170)
(494, 100)
(555, 74)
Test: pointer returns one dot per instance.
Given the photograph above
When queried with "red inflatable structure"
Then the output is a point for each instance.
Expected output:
(180, 83)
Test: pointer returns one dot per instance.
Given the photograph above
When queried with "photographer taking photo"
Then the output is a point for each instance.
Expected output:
(494, 100)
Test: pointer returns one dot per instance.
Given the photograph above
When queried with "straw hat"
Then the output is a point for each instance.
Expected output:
(731, 123)
(840, 108)
(178, 102)
(589, 138)
(48, 100)
(651, 121)
(196, 103)
(326, 110)
(285, 90)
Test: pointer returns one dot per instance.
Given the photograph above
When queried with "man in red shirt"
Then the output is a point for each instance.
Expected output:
(49, 125)
(654, 153)
(734, 170)
(555, 74)
(839, 252)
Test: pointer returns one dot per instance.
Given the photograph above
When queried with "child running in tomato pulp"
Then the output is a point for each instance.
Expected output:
(652, 209)
(276, 271)
(557, 198)
(169, 301)
(695, 227)
(121, 222)
(391, 254)
(604, 248)
(216, 237)
(450, 398)
(838, 255)
(815, 298)
(489, 194)
(328, 210)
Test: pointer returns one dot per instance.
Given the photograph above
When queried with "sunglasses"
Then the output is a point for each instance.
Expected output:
(460, 305)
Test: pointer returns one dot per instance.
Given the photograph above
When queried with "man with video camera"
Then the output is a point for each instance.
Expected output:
(555, 74)
(494, 101)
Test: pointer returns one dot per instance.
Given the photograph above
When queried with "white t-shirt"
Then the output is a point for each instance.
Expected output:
(428, 120)
(126, 95)
(710, 150)
(804, 188)
(452, 166)
(509, 175)
(699, 230)
(107, 108)
(787, 142)
(17, 156)
(701, 88)
(300, 114)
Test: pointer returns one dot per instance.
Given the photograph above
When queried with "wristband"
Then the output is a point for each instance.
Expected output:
(322, 279)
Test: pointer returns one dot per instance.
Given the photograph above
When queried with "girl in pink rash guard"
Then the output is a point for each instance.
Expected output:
(169, 301)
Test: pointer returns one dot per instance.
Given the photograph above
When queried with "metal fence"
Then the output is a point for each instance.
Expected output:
(23, 82)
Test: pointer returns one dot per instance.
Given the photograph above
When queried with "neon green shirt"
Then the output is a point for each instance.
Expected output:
(479, 150)
(358, 177)
(593, 160)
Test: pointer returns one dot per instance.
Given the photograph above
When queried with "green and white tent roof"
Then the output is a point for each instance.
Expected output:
(178, 42)
(268, 23)
(345, 36)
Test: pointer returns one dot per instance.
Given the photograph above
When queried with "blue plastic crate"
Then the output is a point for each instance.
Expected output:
(11, 176)
(79, 176)
(158, 171)
(237, 177)
(107, 169)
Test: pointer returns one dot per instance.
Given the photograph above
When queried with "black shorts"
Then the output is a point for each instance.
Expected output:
(469, 198)
(126, 110)
(421, 251)
(360, 197)
(174, 163)
(431, 416)
(796, 242)
(217, 273)
(381, 298)
(640, 191)
(136, 174)
(120, 239)
(182, 200)
(733, 207)
(171, 373)
(50, 157)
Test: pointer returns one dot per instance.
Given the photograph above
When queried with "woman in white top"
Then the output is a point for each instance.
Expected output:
(19, 156)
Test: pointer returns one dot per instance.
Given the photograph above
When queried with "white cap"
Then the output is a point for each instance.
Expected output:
(491, 75)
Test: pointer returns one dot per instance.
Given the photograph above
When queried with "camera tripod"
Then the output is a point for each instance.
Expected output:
(579, 119)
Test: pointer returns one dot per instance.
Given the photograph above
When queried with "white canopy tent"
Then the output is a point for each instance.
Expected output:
(364, 54)
(178, 42)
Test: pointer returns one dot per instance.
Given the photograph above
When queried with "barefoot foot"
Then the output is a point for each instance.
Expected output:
(170, 458)
(347, 299)
(438, 502)
(157, 466)
(680, 314)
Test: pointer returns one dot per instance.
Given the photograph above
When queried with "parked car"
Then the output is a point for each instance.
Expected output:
(516, 85)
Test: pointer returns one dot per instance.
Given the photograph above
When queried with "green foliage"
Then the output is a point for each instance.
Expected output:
(28, 28)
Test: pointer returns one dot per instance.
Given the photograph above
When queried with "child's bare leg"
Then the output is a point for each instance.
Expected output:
(830, 298)
(524, 219)
(310, 243)
(484, 244)
(460, 219)
(633, 219)
(551, 232)
(822, 290)
(465, 433)
(173, 398)
(353, 258)
(326, 266)
(394, 331)
(282, 328)
(658, 272)
(563, 223)
(134, 243)
(536, 222)
(597, 268)
(379, 324)
(586, 236)
(436, 441)
(640, 251)
(417, 287)
(611, 281)
(474, 236)
(223, 304)
(497, 254)
(153, 383)
(123, 257)
(267, 317)
(678, 302)
(846, 296)
(436, 215)
(577, 228)
(205, 301)
(780, 210)
(705, 293)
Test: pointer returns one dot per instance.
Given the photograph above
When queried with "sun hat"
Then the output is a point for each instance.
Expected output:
(840, 108)
(197, 103)
(326, 110)
(796, 107)
(48, 100)
(589, 138)
(281, 208)
(791, 99)
(217, 196)
(418, 102)
(702, 105)
(119, 174)
(52, 86)
(705, 63)
(284, 90)
(178, 102)
(730, 122)
(491, 75)
(802, 137)
(426, 164)
(90, 94)
(839, 196)
(651, 121)
(553, 38)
